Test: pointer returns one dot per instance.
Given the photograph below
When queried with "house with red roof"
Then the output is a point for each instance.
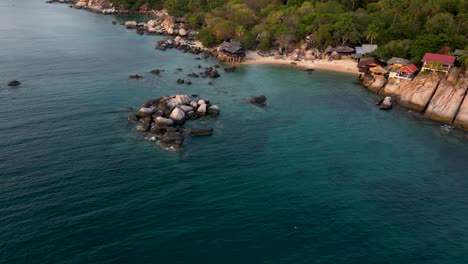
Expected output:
(407, 72)
(437, 62)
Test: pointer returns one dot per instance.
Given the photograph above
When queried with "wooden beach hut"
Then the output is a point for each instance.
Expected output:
(231, 52)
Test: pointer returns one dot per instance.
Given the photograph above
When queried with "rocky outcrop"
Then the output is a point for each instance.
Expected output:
(162, 119)
(446, 101)
(377, 83)
(440, 98)
(417, 94)
(461, 119)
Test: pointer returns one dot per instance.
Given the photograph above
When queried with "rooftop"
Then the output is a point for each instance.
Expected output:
(444, 59)
(231, 47)
(396, 60)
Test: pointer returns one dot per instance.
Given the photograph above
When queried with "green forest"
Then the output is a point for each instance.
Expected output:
(401, 28)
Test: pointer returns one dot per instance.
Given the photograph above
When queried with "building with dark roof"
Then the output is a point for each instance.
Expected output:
(231, 51)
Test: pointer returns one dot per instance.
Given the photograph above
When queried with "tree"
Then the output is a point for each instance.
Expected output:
(463, 60)
(372, 32)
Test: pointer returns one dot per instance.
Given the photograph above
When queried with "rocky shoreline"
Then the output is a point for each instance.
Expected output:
(438, 97)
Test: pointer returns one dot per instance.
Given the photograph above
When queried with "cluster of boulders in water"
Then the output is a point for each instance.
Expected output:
(162, 119)
(182, 38)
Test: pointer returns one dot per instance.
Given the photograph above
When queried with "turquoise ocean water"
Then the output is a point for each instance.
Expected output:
(319, 176)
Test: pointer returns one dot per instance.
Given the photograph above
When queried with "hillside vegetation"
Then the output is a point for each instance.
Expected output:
(402, 28)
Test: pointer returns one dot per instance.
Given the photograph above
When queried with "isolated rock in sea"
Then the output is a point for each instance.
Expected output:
(135, 76)
(161, 118)
(201, 131)
(155, 72)
(212, 73)
(163, 123)
(186, 108)
(258, 100)
(386, 103)
(130, 24)
(14, 83)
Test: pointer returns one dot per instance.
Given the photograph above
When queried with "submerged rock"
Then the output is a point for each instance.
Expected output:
(133, 118)
(258, 100)
(172, 140)
(14, 83)
(201, 132)
(135, 76)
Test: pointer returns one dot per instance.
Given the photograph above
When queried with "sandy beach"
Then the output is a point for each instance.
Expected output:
(344, 65)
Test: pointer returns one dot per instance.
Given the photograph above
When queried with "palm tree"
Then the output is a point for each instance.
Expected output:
(464, 60)
(372, 32)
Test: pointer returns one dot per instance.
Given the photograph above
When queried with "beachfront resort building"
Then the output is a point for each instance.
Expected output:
(437, 63)
(395, 64)
(231, 51)
(407, 72)
(365, 66)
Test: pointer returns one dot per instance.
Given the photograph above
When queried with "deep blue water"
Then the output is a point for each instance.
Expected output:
(319, 176)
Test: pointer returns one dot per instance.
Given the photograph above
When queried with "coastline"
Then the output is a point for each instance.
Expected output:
(343, 65)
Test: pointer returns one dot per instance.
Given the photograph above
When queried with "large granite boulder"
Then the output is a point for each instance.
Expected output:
(146, 111)
(417, 93)
(201, 111)
(182, 99)
(377, 84)
(162, 123)
(131, 24)
(168, 23)
(178, 116)
(182, 32)
(446, 101)
(461, 119)
(167, 104)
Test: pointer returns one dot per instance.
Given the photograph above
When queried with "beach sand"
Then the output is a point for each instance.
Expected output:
(344, 65)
